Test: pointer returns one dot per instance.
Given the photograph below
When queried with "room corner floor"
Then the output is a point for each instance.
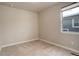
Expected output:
(34, 48)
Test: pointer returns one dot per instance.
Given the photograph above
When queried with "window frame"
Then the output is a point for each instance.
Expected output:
(73, 25)
(61, 17)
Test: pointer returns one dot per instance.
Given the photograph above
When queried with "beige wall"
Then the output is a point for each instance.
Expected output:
(17, 25)
(50, 28)
(20, 25)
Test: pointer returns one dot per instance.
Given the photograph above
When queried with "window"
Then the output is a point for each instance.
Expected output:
(70, 18)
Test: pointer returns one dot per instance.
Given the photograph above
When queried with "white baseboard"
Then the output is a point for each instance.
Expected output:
(73, 50)
(17, 43)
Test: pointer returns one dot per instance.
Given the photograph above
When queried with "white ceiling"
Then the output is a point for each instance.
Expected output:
(32, 6)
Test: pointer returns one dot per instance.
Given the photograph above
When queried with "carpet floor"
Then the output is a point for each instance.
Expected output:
(34, 48)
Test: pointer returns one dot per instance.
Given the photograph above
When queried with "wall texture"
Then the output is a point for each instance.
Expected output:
(17, 25)
(50, 28)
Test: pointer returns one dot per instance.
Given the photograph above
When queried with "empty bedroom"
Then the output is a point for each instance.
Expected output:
(39, 29)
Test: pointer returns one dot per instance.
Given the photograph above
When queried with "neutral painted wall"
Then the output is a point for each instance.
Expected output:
(17, 25)
(50, 28)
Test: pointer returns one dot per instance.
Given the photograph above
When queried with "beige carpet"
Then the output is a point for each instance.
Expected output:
(34, 48)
